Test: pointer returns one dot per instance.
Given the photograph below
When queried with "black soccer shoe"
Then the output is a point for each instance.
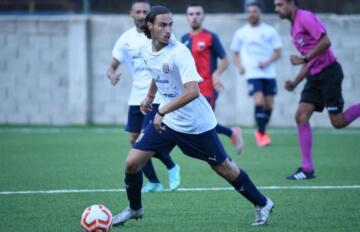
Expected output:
(300, 174)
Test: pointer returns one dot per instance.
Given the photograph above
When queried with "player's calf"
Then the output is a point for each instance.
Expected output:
(338, 120)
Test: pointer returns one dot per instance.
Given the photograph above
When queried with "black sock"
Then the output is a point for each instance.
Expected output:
(268, 115)
(165, 159)
(223, 130)
(133, 184)
(260, 118)
(150, 173)
(246, 187)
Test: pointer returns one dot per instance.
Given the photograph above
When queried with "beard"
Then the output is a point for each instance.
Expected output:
(196, 27)
(284, 16)
(254, 20)
(140, 23)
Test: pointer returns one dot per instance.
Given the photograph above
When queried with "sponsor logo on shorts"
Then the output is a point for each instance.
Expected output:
(332, 108)
(212, 158)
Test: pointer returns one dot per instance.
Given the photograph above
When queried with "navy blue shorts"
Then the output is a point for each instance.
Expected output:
(137, 121)
(205, 146)
(267, 86)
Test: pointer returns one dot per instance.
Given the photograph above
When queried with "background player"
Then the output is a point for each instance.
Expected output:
(206, 48)
(126, 50)
(176, 79)
(256, 47)
(324, 77)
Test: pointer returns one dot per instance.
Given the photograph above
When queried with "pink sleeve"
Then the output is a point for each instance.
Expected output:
(313, 25)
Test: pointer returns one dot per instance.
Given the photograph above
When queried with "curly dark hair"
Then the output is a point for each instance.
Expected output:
(295, 1)
(154, 11)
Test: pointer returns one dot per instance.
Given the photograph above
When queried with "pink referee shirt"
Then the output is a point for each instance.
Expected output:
(306, 31)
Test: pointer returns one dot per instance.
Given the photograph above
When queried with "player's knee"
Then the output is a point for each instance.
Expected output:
(131, 166)
(227, 170)
(258, 99)
(268, 108)
(259, 106)
(338, 124)
(338, 121)
(301, 118)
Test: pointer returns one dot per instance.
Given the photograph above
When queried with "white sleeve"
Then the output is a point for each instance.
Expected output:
(118, 51)
(236, 42)
(185, 64)
(276, 40)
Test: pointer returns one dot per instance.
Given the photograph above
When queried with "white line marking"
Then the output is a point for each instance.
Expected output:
(65, 191)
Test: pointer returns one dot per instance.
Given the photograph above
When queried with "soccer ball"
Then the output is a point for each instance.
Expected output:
(96, 218)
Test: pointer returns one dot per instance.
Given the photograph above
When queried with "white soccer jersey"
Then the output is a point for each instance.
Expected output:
(171, 68)
(256, 44)
(127, 50)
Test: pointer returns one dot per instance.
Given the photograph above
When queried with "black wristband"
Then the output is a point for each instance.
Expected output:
(162, 115)
(305, 59)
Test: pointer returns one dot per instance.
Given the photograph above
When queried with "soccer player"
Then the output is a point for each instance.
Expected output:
(184, 119)
(323, 75)
(126, 50)
(206, 48)
(256, 47)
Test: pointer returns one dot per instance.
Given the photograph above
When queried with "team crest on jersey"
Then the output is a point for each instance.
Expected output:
(166, 68)
(201, 45)
(301, 42)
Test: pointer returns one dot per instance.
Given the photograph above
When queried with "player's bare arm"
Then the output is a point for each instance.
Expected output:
(323, 44)
(146, 104)
(190, 93)
(237, 62)
(223, 64)
(111, 72)
(291, 85)
(274, 57)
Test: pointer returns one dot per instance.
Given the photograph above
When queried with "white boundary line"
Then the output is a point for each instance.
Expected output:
(66, 191)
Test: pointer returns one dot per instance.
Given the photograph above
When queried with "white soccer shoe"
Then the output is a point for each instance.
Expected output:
(125, 215)
(152, 187)
(262, 214)
(174, 177)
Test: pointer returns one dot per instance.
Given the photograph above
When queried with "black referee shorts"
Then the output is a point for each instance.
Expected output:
(324, 90)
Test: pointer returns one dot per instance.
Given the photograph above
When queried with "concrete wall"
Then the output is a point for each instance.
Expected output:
(52, 69)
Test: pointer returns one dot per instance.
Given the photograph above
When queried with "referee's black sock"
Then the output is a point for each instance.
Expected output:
(133, 184)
